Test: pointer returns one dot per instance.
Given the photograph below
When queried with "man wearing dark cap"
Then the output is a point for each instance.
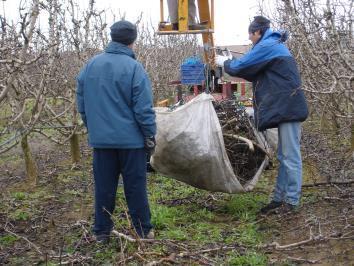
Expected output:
(278, 102)
(114, 98)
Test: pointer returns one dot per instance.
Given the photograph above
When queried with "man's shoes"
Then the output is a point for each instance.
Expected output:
(271, 207)
(174, 26)
(150, 235)
(198, 27)
(287, 207)
(191, 27)
(102, 239)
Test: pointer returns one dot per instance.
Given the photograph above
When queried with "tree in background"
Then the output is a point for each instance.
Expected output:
(40, 61)
(321, 39)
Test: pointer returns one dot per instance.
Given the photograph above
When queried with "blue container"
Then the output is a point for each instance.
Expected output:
(192, 72)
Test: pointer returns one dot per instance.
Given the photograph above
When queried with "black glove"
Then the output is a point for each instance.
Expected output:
(149, 145)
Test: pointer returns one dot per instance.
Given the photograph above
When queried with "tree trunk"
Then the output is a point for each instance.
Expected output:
(352, 139)
(75, 148)
(31, 166)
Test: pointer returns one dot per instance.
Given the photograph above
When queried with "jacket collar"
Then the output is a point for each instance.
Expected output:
(269, 34)
(119, 48)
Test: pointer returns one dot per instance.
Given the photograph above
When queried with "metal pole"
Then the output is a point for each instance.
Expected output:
(161, 11)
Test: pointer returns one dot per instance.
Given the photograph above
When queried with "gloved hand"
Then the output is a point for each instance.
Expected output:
(226, 52)
(220, 59)
(149, 145)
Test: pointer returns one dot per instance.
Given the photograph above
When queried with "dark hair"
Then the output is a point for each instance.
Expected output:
(259, 23)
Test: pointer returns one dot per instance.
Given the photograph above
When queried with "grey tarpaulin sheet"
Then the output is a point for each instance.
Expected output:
(190, 148)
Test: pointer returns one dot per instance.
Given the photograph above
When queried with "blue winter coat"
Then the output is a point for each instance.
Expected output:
(114, 99)
(277, 93)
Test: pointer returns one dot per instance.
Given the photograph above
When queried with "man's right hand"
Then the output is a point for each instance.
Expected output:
(220, 59)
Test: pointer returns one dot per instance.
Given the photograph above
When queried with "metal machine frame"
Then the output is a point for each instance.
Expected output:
(206, 14)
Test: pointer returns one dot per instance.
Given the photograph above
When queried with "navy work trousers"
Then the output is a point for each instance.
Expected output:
(108, 164)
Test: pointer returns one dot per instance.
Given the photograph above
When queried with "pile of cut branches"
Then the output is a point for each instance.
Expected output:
(243, 150)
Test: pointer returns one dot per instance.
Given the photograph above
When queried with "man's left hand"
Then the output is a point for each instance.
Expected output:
(149, 145)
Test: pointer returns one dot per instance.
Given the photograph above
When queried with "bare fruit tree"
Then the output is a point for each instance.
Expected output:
(80, 33)
(22, 85)
(40, 60)
(323, 44)
(321, 39)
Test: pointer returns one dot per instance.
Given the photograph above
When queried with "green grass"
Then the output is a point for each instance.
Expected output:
(231, 222)
(12, 159)
(179, 212)
(204, 232)
(246, 234)
(7, 240)
(164, 217)
(177, 233)
(249, 259)
(19, 195)
(245, 206)
(5, 111)
(20, 215)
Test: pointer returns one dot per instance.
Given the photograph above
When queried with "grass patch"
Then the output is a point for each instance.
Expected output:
(11, 159)
(185, 220)
(165, 217)
(204, 232)
(7, 240)
(177, 233)
(20, 215)
(246, 234)
(179, 212)
(312, 195)
(249, 259)
(164, 188)
(245, 206)
(19, 196)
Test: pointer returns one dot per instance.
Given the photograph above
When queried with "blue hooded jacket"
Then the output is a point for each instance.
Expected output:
(114, 98)
(277, 93)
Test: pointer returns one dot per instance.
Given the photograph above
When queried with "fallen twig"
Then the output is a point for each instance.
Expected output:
(332, 198)
(171, 258)
(222, 248)
(303, 260)
(278, 246)
(130, 239)
(345, 182)
(26, 239)
(79, 259)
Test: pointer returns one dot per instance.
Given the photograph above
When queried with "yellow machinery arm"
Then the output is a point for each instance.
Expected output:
(206, 14)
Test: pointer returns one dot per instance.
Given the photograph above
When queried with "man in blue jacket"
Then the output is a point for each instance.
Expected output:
(278, 102)
(114, 98)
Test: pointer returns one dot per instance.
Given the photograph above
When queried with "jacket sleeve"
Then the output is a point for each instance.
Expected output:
(249, 66)
(80, 95)
(143, 103)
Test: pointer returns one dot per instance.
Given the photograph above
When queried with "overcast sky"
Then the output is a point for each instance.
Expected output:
(232, 17)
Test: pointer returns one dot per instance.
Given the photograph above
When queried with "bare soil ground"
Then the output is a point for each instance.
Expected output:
(319, 233)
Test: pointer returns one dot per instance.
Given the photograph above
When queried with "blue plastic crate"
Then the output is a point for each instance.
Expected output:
(192, 71)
